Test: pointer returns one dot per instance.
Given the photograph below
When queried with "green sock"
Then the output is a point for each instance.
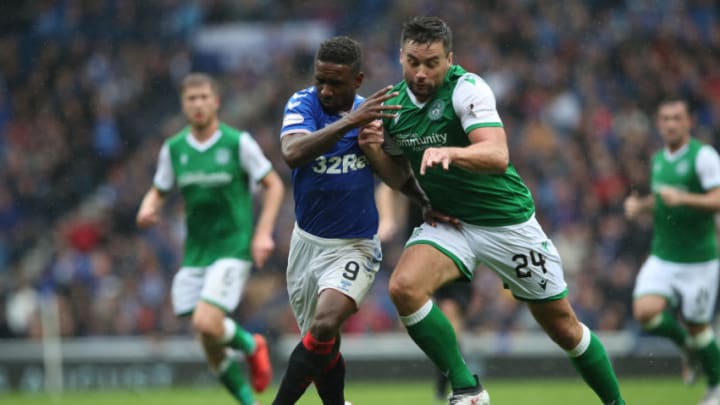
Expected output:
(433, 333)
(237, 337)
(666, 325)
(232, 378)
(705, 348)
(594, 366)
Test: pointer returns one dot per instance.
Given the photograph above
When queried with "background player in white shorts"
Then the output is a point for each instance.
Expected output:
(683, 265)
(213, 165)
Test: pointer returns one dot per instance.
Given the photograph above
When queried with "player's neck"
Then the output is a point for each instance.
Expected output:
(672, 148)
(202, 134)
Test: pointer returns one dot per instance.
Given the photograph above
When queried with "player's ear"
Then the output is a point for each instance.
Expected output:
(359, 79)
(450, 57)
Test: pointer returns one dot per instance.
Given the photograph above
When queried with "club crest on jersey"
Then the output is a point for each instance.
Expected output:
(435, 111)
(183, 159)
(222, 156)
(682, 167)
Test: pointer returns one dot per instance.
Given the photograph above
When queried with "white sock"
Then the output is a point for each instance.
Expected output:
(230, 329)
(418, 315)
(583, 345)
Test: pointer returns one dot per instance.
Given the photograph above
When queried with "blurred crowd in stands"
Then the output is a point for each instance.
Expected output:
(88, 93)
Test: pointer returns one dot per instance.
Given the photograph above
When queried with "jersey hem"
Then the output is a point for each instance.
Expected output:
(460, 265)
(701, 261)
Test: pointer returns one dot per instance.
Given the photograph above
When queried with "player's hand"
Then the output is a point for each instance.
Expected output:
(373, 108)
(147, 217)
(262, 247)
(632, 205)
(432, 217)
(371, 135)
(435, 156)
(671, 196)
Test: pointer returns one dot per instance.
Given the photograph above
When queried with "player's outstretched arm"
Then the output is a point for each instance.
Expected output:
(299, 149)
(392, 211)
(263, 243)
(708, 201)
(487, 153)
(149, 212)
(394, 172)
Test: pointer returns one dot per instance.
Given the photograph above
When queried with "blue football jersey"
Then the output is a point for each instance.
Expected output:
(335, 193)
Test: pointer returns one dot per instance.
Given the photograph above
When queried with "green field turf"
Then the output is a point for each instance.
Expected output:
(502, 392)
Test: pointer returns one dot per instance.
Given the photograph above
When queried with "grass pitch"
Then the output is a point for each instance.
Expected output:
(651, 391)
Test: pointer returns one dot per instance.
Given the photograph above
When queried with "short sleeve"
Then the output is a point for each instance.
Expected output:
(474, 103)
(298, 115)
(252, 159)
(164, 179)
(707, 166)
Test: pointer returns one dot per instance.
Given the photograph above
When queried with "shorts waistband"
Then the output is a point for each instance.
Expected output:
(325, 241)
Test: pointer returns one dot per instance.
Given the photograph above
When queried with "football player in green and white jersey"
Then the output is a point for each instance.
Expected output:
(452, 135)
(214, 166)
(683, 265)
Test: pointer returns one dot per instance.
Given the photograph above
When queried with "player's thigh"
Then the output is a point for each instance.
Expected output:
(654, 289)
(523, 257)
(302, 279)
(224, 283)
(433, 256)
(185, 291)
(350, 269)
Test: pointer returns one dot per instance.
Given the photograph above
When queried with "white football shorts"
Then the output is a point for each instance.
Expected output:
(692, 286)
(522, 255)
(220, 284)
(315, 264)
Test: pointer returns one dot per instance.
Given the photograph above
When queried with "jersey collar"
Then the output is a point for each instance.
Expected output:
(672, 156)
(202, 146)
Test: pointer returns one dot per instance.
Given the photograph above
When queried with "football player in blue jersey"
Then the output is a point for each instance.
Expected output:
(334, 251)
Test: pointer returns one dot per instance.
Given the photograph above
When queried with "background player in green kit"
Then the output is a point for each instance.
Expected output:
(214, 165)
(683, 265)
(450, 132)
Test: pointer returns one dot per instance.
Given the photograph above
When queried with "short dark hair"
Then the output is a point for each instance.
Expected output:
(199, 79)
(426, 30)
(341, 50)
(674, 100)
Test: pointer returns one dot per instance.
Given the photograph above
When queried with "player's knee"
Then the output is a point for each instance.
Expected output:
(325, 327)
(403, 290)
(208, 327)
(565, 334)
(646, 316)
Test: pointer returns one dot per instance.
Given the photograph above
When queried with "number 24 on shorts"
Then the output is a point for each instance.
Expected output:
(521, 260)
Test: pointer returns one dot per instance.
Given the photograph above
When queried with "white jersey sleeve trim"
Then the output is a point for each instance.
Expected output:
(294, 131)
(164, 179)
(474, 103)
(707, 166)
(252, 158)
